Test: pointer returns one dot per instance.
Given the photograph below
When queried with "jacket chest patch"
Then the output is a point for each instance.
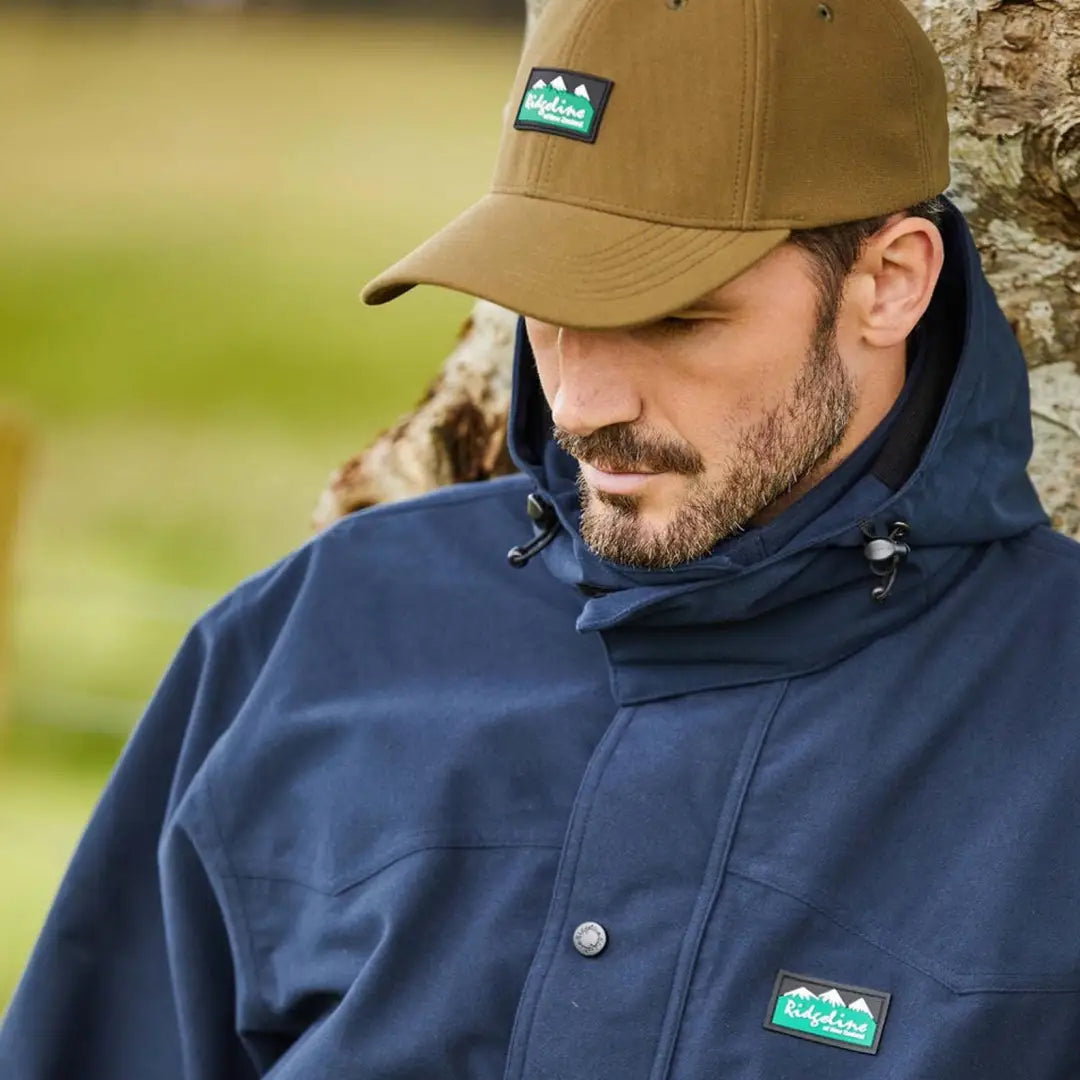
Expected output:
(851, 1017)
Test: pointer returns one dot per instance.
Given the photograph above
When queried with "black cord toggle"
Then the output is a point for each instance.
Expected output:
(546, 519)
(884, 554)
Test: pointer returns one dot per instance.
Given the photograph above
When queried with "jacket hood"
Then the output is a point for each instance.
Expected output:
(949, 462)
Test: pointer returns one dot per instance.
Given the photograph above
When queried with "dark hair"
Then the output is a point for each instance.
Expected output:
(834, 249)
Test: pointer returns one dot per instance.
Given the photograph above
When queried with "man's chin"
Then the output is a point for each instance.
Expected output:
(628, 537)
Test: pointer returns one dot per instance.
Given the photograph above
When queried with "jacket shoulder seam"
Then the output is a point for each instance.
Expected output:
(224, 867)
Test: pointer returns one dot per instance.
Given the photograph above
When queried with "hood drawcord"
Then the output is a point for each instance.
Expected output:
(543, 514)
(884, 554)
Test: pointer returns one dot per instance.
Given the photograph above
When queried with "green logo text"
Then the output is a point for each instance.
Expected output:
(826, 1016)
(554, 105)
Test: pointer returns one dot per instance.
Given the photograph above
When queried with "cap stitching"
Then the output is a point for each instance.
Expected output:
(735, 193)
(670, 235)
(541, 146)
(619, 250)
(541, 160)
(659, 234)
(675, 254)
(628, 242)
(637, 288)
(636, 212)
(763, 44)
(655, 270)
(645, 226)
(913, 78)
(544, 168)
(660, 248)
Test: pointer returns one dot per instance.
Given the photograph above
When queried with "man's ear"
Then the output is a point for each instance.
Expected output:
(894, 278)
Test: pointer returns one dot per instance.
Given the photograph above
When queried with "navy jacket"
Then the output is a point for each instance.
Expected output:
(385, 782)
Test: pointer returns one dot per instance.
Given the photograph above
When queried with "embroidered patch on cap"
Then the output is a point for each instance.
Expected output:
(562, 102)
(825, 1012)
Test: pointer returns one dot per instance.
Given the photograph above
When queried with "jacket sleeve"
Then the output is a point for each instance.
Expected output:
(132, 976)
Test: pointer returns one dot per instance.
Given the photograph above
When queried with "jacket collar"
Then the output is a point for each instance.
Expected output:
(795, 595)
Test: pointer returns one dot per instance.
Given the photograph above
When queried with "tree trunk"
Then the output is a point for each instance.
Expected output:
(1013, 70)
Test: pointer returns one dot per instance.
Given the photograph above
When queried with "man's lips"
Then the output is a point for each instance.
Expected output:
(617, 483)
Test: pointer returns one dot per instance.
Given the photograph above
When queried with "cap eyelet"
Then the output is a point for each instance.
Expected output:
(677, 5)
(825, 12)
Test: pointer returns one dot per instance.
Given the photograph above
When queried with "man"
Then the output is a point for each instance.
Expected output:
(758, 760)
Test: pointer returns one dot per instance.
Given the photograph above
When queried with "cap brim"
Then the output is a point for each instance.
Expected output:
(572, 265)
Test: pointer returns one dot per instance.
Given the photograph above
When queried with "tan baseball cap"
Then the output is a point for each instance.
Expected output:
(652, 150)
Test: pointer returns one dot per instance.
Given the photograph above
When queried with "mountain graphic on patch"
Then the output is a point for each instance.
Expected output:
(561, 102)
(809, 1008)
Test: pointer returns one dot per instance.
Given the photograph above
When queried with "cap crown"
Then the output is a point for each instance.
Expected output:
(738, 114)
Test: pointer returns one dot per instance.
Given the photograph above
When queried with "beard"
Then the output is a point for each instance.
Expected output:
(771, 456)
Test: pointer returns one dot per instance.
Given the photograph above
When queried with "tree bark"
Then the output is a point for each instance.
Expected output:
(1013, 70)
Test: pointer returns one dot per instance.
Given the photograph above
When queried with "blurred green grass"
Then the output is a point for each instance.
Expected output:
(188, 208)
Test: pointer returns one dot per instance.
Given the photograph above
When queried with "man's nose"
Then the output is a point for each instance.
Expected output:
(595, 385)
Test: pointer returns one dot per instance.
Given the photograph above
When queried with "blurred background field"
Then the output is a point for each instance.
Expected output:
(189, 206)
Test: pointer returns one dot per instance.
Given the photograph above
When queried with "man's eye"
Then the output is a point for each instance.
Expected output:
(674, 325)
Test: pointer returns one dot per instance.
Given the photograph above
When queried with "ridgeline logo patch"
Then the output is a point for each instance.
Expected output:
(562, 102)
(831, 1013)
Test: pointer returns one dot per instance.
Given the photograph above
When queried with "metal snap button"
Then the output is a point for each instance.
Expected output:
(590, 938)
